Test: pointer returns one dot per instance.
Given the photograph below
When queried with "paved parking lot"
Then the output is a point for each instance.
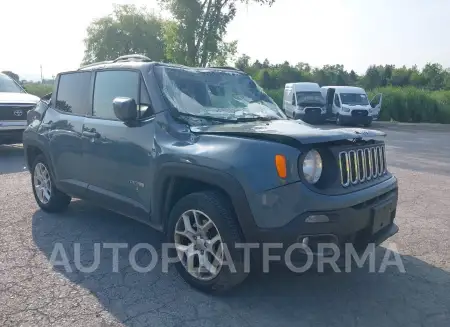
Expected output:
(32, 293)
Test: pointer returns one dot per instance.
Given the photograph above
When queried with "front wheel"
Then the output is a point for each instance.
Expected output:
(47, 196)
(204, 231)
(338, 120)
(367, 124)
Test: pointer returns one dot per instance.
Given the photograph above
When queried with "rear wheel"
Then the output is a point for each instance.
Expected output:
(47, 196)
(204, 231)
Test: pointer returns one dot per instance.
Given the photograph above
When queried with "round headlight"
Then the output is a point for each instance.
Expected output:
(312, 166)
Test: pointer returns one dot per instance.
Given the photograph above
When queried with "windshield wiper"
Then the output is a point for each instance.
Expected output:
(255, 118)
(209, 118)
(231, 119)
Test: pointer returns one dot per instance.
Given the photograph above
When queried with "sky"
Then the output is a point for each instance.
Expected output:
(355, 33)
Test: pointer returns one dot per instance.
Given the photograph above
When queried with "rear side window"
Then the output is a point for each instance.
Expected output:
(112, 84)
(73, 93)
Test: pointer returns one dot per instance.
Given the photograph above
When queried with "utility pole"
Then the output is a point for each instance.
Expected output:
(42, 78)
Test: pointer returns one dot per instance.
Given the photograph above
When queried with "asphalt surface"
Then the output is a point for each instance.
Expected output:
(33, 293)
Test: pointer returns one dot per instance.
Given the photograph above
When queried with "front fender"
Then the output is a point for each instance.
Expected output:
(217, 178)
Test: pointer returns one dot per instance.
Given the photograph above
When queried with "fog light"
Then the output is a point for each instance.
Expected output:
(317, 219)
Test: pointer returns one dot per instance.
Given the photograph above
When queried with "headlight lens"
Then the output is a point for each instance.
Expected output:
(312, 166)
(345, 109)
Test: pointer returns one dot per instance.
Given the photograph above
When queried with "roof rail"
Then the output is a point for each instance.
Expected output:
(224, 67)
(95, 64)
(132, 57)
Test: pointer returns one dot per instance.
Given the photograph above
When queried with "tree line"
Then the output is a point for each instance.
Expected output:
(274, 76)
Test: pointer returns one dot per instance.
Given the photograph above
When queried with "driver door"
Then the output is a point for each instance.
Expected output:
(375, 103)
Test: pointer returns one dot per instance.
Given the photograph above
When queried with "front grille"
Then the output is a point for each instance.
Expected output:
(15, 111)
(359, 113)
(362, 165)
(313, 110)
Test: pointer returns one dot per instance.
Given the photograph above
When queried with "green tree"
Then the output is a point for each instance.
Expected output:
(434, 76)
(243, 62)
(14, 76)
(128, 30)
(373, 78)
(401, 76)
(201, 26)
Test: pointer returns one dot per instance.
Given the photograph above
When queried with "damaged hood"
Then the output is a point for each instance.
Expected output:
(292, 129)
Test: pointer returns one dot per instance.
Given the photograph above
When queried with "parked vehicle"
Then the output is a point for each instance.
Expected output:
(15, 102)
(350, 105)
(304, 101)
(206, 157)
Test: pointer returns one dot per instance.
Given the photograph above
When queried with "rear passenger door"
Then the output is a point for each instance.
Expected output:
(63, 122)
(109, 152)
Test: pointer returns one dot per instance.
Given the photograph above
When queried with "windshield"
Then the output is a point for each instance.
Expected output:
(354, 99)
(216, 94)
(310, 97)
(9, 85)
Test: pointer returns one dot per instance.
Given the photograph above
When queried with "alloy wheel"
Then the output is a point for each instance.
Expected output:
(199, 245)
(42, 183)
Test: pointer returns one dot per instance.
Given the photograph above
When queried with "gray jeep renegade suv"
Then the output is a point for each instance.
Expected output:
(205, 156)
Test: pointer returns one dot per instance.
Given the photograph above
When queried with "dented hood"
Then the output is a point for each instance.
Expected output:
(292, 129)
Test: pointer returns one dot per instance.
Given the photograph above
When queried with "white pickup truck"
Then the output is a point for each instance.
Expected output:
(15, 103)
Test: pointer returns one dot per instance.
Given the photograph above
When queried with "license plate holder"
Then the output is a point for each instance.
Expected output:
(381, 216)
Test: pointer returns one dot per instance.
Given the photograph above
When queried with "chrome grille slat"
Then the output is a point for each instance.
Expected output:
(344, 168)
(368, 163)
(374, 162)
(380, 162)
(362, 165)
(354, 172)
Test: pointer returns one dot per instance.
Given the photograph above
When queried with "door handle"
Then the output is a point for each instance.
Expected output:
(95, 135)
(91, 132)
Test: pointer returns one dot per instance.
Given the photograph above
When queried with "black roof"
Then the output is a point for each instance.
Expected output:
(144, 63)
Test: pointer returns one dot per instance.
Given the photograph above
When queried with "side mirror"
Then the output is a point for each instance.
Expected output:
(125, 109)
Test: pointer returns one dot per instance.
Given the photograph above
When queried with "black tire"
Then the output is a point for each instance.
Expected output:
(59, 201)
(367, 124)
(219, 210)
(338, 120)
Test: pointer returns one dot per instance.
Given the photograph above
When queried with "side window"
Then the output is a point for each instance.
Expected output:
(112, 84)
(336, 100)
(73, 93)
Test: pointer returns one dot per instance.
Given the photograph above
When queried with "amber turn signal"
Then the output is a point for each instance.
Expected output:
(280, 163)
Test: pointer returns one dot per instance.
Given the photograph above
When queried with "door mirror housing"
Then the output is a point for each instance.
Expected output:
(125, 109)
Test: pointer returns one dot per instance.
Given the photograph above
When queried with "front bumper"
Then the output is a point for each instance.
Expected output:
(12, 131)
(355, 119)
(359, 218)
(310, 115)
(343, 223)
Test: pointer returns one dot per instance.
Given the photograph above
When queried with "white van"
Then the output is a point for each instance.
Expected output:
(350, 105)
(304, 101)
